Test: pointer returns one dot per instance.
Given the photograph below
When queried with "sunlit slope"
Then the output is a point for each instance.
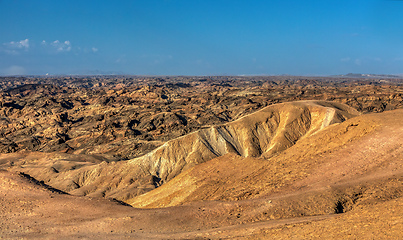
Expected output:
(376, 221)
(266, 132)
(360, 150)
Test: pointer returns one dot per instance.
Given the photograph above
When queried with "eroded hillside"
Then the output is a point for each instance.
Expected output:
(203, 157)
(126, 117)
(347, 175)
(266, 132)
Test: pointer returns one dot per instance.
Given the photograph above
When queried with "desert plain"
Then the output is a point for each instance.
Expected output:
(212, 157)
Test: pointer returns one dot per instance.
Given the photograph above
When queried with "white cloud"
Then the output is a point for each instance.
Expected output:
(15, 47)
(357, 62)
(50, 47)
(61, 46)
(23, 44)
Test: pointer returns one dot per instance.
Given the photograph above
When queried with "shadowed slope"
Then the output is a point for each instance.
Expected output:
(31, 211)
(233, 177)
(353, 169)
(266, 132)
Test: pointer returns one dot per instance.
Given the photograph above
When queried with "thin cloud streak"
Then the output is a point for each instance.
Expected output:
(23, 44)
(15, 47)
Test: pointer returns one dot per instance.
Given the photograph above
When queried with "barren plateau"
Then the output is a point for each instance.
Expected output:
(136, 157)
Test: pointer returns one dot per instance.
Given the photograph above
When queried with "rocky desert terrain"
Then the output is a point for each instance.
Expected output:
(220, 157)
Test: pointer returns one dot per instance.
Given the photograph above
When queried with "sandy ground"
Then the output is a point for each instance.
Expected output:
(361, 182)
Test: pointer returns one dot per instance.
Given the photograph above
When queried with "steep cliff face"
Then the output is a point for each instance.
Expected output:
(263, 133)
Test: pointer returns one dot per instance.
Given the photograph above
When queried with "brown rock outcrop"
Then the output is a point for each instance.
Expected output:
(266, 132)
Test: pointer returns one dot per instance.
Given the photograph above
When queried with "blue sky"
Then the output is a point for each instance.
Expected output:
(201, 37)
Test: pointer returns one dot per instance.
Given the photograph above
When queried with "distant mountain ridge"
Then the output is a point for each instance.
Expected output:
(359, 75)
